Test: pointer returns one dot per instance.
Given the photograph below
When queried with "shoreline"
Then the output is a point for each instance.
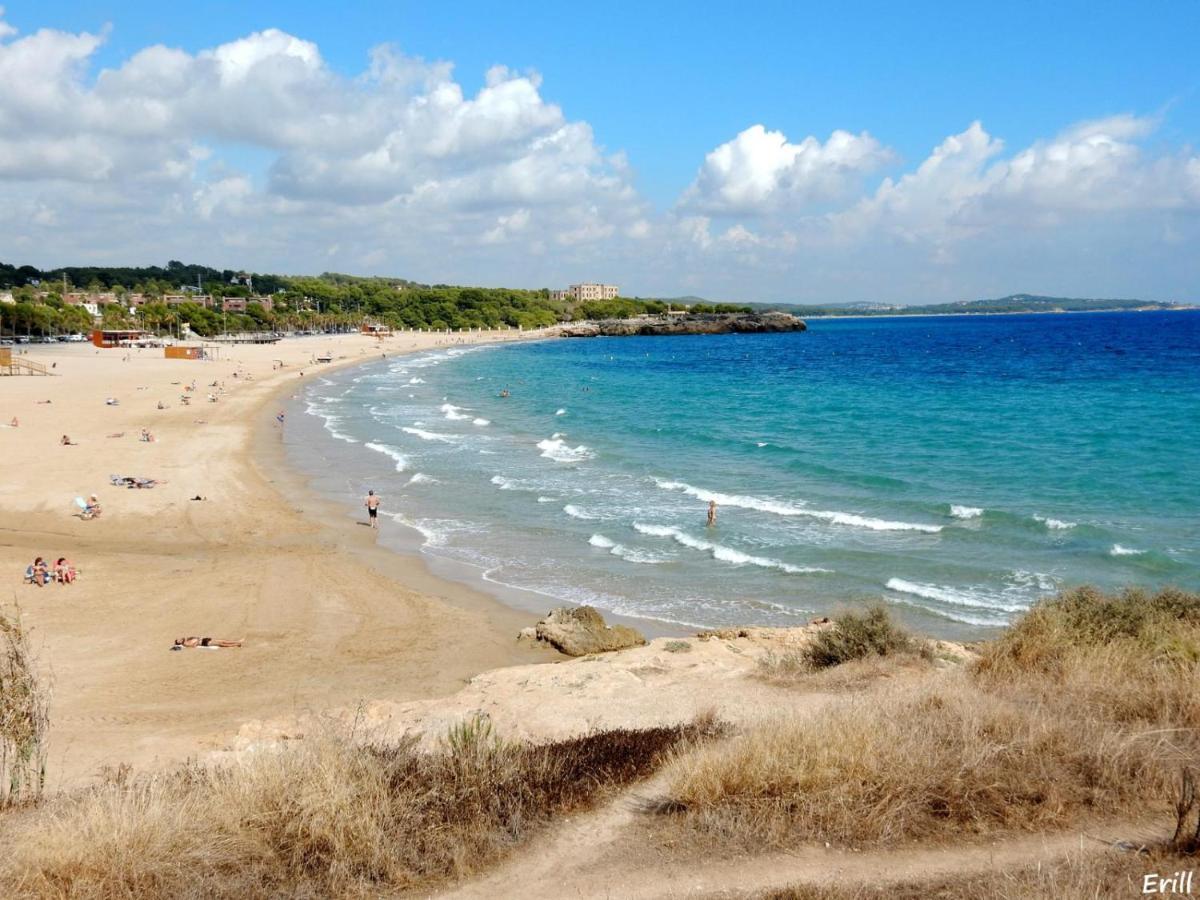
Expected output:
(442, 574)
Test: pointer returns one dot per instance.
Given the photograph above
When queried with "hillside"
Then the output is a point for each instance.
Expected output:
(1013, 303)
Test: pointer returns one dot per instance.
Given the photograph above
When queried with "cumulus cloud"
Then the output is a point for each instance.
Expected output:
(760, 171)
(385, 152)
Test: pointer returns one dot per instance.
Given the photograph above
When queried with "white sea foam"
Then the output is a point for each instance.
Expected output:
(505, 484)
(557, 449)
(782, 508)
(416, 380)
(331, 423)
(560, 412)
(576, 513)
(630, 554)
(1054, 524)
(431, 435)
(760, 443)
(481, 422)
(975, 599)
(966, 512)
(422, 478)
(1119, 550)
(453, 413)
(396, 455)
(722, 553)
(547, 500)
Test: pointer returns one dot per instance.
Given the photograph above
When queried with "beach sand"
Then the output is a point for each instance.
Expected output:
(329, 619)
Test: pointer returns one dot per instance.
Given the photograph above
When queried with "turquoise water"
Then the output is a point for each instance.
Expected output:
(958, 468)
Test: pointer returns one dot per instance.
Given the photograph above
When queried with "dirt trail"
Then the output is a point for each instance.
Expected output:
(597, 855)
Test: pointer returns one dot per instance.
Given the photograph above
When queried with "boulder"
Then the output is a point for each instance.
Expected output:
(580, 630)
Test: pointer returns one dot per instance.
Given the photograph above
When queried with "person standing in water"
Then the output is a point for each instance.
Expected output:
(372, 505)
(712, 513)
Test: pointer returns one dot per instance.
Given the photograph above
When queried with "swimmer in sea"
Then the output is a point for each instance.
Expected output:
(712, 513)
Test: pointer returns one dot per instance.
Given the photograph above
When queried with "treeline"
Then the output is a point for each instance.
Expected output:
(327, 301)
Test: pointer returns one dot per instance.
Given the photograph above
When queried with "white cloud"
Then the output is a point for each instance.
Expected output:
(759, 171)
(383, 153)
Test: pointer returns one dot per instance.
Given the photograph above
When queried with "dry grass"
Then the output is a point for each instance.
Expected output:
(1089, 705)
(327, 818)
(24, 705)
(938, 761)
(1100, 876)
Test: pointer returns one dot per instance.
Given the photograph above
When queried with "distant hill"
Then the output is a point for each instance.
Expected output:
(1013, 303)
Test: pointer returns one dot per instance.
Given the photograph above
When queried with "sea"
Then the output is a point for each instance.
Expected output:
(956, 469)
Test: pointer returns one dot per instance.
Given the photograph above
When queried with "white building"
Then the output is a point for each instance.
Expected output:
(590, 290)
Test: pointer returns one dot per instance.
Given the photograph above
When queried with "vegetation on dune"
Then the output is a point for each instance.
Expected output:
(852, 636)
(1089, 704)
(24, 721)
(857, 635)
(325, 817)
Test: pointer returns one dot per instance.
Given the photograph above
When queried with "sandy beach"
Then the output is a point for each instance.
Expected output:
(329, 620)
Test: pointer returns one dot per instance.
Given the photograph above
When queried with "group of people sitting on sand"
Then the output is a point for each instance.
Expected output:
(41, 573)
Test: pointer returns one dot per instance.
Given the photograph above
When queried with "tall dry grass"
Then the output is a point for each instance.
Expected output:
(937, 761)
(24, 717)
(326, 818)
(1088, 705)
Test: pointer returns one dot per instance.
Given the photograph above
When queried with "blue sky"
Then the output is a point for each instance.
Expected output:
(667, 84)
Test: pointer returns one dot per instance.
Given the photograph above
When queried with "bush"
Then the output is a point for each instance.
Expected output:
(858, 635)
(1158, 627)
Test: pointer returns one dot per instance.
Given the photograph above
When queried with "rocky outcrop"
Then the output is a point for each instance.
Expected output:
(580, 630)
(691, 323)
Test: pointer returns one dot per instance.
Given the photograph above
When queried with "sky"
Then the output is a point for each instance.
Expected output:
(777, 152)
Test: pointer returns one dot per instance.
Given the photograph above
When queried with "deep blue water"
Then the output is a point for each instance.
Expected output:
(958, 468)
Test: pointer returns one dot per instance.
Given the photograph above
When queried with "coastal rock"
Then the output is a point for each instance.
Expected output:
(579, 631)
(689, 323)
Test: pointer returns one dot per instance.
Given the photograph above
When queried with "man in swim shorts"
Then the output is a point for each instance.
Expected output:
(372, 505)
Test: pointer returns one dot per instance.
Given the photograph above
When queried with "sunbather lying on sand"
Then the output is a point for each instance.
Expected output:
(211, 643)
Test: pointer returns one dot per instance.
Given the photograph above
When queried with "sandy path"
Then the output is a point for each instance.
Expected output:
(606, 854)
(329, 619)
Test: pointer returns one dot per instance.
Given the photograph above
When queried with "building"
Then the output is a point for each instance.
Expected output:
(590, 290)
(7, 297)
(80, 298)
(560, 295)
(204, 300)
(239, 304)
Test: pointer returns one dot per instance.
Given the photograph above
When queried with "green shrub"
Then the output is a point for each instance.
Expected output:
(858, 635)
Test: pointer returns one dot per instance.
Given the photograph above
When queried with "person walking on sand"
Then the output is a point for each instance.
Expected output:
(712, 513)
(372, 505)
